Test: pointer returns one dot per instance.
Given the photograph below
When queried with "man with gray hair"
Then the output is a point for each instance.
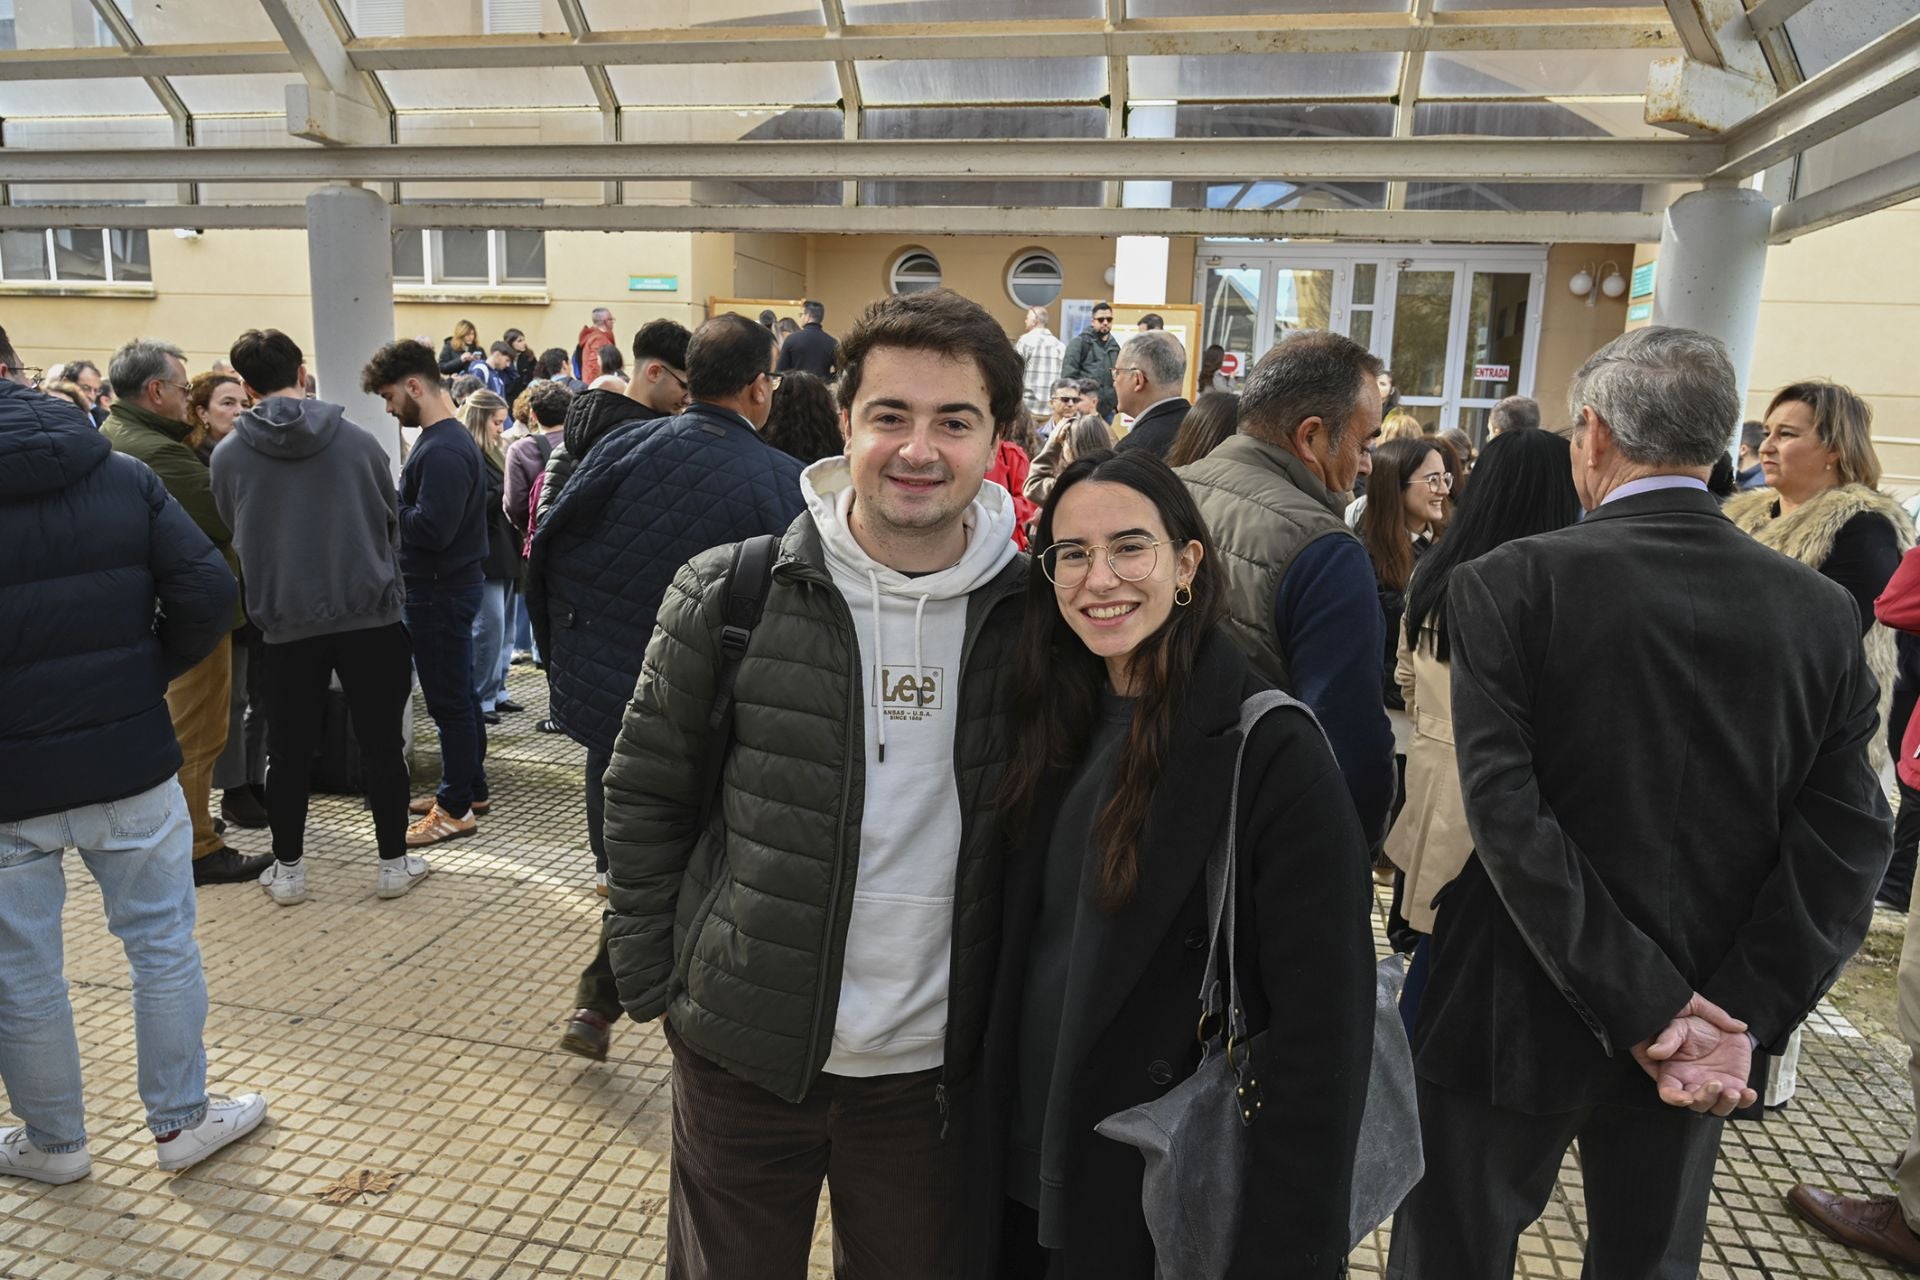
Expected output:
(1302, 601)
(1148, 379)
(1515, 413)
(1635, 932)
(1043, 353)
(148, 422)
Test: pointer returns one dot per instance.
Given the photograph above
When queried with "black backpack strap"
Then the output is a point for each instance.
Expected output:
(748, 583)
(544, 445)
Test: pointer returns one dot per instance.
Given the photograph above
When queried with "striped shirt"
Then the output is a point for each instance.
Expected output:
(1042, 352)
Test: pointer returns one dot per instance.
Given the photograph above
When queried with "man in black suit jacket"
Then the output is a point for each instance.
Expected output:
(1671, 865)
(1147, 379)
(812, 350)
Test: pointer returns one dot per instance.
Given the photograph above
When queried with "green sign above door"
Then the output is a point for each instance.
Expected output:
(1643, 280)
(653, 284)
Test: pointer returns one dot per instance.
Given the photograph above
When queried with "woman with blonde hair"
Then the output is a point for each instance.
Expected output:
(1076, 439)
(458, 351)
(1824, 508)
(485, 414)
(1401, 426)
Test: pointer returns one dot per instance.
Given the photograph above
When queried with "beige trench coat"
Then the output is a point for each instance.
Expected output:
(1430, 842)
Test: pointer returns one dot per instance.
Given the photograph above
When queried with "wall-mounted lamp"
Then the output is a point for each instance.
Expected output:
(1612, 283)
(188, 233)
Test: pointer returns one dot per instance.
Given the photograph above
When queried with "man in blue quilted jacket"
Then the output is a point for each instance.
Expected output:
(111, 590)
(643, 502)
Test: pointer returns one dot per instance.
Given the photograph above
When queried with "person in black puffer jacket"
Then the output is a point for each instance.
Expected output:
(110, 590)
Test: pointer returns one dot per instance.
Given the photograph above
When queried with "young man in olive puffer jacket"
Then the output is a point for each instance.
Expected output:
(822, 952)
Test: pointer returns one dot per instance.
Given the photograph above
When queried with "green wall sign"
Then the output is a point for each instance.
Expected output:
(1639, 311)
(653, 284)
(1643, 280)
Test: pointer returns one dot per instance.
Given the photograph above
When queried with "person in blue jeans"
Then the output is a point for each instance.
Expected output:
(443, 540)
(88, 751)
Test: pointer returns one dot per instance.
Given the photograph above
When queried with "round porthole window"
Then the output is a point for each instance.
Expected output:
(914, 271)
(1035, 279)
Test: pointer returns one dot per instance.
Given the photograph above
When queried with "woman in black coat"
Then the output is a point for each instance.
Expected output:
(1127, 725)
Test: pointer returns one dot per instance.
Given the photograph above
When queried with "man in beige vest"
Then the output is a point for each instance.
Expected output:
(1303, 604)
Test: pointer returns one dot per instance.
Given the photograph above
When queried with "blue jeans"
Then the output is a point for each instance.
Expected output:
(440, 621)
(140, 851)
(490, 643)
(523, 627)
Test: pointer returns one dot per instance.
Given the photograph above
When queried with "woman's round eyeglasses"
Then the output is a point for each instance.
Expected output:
(1067, 564)
(1438, 481)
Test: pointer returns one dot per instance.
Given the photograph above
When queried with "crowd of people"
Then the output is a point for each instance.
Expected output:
(910, 671)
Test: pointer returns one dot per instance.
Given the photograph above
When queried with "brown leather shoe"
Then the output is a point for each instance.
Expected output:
(424, 805)
(1873, 1224)
(439, 825)
(588, 1034)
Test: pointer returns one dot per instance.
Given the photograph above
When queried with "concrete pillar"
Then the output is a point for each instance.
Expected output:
(1140, 262)
(350, 262)
(1713, 259)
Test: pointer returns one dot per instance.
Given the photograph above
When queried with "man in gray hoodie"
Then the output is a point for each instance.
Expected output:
(311, 502)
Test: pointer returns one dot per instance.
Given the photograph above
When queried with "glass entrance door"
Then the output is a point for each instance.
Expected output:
(1422, 327)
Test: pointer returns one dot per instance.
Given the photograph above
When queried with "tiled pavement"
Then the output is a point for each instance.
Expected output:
(416, 1037)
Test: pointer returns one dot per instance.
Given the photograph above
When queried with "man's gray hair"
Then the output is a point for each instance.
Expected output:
(140, 362)
(1669, 395)
(1515, 413)
(1036, 316)
(1311, 374)
(601, 313)
(1159, 355)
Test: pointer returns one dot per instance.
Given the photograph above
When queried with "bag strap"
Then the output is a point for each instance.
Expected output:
(749, 581)
(1223, 874)
(544, 446)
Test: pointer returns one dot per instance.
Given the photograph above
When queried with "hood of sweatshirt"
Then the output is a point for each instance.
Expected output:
(288, 427)
(592, 414)
(45, 444)
(827, 486)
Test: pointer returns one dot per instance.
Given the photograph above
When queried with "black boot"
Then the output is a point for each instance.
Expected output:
(241, 808)
(224, 866)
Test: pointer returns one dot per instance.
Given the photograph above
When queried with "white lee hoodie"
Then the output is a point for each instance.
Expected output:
(892, 1017)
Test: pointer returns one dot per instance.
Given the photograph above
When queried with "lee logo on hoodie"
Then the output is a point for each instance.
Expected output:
(907, 695)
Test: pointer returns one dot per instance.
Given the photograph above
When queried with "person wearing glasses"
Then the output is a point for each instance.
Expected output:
(1148, 381)
(1126, 696)
(149, 422)
(1092, 354)
(1397, 534)
(642, 503)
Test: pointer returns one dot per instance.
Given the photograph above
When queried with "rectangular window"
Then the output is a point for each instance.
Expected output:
(75, 255)
(470, 258)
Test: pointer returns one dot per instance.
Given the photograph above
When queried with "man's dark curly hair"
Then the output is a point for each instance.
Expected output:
(398, 361)
(943, 321)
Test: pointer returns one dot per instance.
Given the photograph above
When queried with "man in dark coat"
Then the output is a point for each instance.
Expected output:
(1147, 380)
(812, 350)
(1610, 967)
(110, 591)
(1092, 354)
(652, 494)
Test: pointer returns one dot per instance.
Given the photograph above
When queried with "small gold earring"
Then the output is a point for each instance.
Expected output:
(1183, 594)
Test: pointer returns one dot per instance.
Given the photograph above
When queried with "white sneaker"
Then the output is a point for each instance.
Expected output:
(20, 1158)
(399, 875)
(286, 882)
(600, 883)
(227, 1120)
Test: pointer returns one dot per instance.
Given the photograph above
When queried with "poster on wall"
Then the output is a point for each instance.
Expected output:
(1075, 315)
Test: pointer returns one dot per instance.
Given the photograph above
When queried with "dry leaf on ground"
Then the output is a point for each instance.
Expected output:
(358, 1184)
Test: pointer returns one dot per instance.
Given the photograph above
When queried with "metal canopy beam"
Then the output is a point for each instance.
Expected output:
(1466, 31)
(1179, 159)
(1855, 197)
(339, 103)
(1879, 77)
(852, 108)
(162, 88)
(1343, 224)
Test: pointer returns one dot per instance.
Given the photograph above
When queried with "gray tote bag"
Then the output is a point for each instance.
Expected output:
(1194, 1138)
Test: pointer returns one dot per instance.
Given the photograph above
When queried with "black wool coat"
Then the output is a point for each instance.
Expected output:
(1128, 1035)
(1156, 429)
(1647, 823)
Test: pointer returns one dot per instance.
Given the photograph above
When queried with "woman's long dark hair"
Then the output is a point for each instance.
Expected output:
(1383, 525)
(1214, 417)
(1057, 679)
(1522, 485)
(802, 421)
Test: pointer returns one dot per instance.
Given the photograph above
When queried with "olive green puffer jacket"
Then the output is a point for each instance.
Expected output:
(738, 933)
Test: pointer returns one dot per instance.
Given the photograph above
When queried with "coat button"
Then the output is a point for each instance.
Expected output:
(1159, 1072)
(1196, 938)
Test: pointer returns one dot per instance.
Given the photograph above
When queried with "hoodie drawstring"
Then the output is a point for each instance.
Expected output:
(880, 660)
(879, 666)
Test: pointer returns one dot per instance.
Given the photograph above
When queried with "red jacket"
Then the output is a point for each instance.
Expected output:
(591, 340)
(1899, 607)
(1009, 471)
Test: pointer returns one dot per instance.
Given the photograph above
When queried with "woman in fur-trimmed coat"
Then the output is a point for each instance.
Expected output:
(1825, 509)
